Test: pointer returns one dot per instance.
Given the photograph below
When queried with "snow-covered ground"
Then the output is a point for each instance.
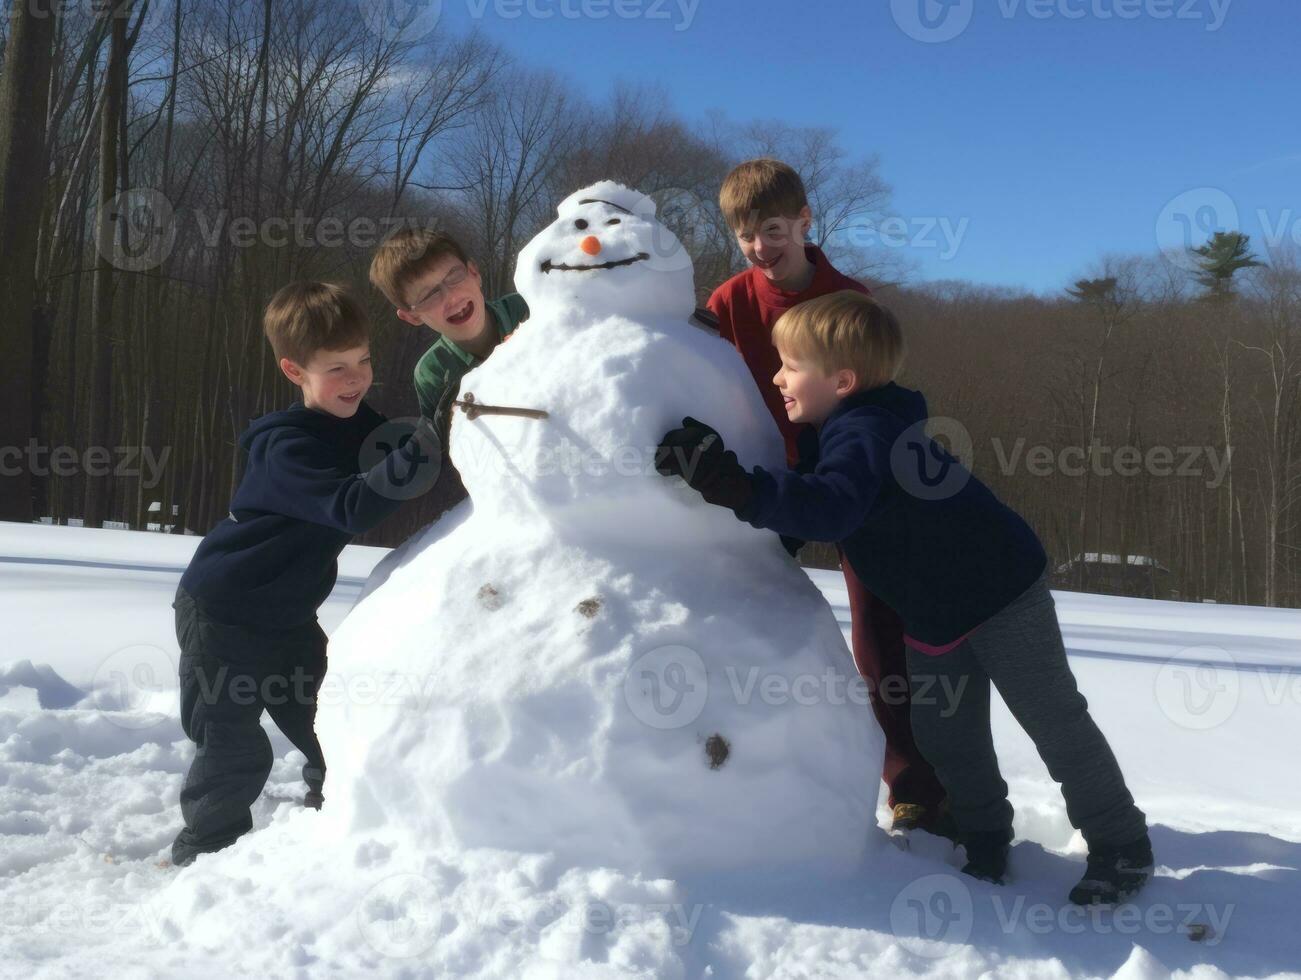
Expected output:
(1202, 705)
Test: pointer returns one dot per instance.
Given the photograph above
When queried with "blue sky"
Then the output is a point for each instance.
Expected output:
(1043, 133)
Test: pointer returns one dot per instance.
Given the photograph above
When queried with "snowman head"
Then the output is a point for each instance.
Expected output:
(607, 254)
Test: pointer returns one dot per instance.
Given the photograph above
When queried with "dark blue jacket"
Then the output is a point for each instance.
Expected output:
(920, 532)
(304, 494)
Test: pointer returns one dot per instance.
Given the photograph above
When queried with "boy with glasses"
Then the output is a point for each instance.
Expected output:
(431, 282)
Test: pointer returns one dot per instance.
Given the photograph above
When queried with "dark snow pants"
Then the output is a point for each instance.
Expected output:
(228, 676)
(1020, 651)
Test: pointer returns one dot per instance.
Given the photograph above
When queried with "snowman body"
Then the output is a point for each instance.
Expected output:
(585, 657)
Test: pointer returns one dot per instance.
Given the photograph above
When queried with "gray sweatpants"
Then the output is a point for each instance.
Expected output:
(1020, 649)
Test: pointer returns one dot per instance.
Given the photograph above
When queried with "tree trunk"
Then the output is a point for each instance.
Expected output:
(24, 103)
(106, 232)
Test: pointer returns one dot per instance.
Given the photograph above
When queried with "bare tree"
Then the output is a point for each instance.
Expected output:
(1279, 294)
(24, 88)
(507, 162)
(108, 232)
(1109, 300)
(436, 96)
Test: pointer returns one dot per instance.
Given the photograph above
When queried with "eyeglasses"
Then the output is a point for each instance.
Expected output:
(431, 298)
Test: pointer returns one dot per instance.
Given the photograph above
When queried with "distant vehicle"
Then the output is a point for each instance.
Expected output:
(1137, 576)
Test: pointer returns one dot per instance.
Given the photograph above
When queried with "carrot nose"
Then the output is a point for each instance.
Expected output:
(591, 245)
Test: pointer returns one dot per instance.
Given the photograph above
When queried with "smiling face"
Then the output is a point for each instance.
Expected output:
(447, 297)
(592, 246)
(810, 394)
(333, 381)
(776, 248)
(607, 254)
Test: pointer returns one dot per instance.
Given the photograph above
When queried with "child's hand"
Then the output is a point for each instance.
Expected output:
(443, 412)
(682, 451)
(696, 453)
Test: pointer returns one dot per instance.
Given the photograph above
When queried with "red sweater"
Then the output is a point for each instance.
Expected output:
(747, 307)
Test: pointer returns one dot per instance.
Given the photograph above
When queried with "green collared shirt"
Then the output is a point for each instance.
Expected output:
(446, 362)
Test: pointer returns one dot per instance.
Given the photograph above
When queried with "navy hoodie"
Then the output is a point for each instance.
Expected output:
(274, 560)
(920, 532)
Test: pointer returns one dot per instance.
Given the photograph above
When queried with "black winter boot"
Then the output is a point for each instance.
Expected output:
(1115, 873)
(987, 854)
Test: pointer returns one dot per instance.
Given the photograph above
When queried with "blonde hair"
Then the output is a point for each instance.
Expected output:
(405, 255)
(760, 189)
(305, 317)
(844, 330)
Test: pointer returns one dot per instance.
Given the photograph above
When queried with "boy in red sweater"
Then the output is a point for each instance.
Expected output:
(765, 204)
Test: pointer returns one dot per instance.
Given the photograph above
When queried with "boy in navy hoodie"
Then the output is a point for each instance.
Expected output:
(964, 572)
(246, 606)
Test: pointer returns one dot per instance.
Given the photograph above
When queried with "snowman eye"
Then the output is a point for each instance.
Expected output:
(581, 224)
(613, 221)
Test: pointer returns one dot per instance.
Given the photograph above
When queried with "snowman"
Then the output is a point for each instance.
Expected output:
(584, 658)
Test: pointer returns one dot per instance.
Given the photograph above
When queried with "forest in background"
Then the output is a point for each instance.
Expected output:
(165, 167)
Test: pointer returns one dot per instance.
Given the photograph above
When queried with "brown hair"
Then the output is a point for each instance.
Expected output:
(407, 253)
(761, 189)
(841, 330)
(305, 317)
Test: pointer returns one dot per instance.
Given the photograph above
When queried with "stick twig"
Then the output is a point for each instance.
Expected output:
(473, 409)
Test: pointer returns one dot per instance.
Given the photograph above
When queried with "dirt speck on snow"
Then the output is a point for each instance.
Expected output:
(718, 749)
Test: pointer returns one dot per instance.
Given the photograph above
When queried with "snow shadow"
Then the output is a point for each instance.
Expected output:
(1240, 891)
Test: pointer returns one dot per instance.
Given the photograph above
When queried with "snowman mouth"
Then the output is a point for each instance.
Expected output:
(549, 266)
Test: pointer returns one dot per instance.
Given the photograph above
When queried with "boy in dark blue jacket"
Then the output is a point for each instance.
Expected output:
(246, 606)
(964, 572)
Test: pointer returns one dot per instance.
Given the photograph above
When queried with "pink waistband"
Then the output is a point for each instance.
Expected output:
(935, 651)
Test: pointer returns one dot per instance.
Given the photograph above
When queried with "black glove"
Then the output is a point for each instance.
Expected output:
(696, 453)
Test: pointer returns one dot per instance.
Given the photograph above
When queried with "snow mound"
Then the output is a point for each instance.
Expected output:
(52, 691)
